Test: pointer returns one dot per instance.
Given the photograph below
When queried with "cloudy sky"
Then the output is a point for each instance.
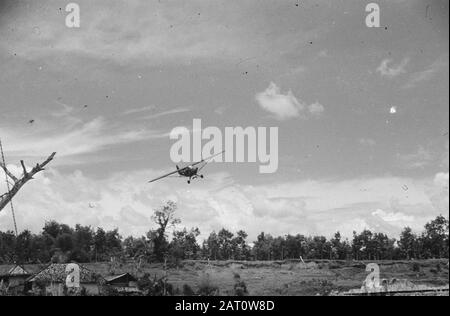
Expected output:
(362, 112)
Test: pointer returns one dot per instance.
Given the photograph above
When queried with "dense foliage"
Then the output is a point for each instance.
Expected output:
(61, 243)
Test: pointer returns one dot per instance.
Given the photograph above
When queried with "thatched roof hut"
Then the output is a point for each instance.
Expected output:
(53, 280)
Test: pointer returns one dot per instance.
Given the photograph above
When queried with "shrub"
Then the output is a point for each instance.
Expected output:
(4, 290)
(240, 288)
(110, 291)
(155, 286)
(334, 266)
(83, 292)
(188, 291)
(326, 287)
(207, 287)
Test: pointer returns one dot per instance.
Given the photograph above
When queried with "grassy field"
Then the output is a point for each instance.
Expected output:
(291, 277)
(281, 278)
(311, 278)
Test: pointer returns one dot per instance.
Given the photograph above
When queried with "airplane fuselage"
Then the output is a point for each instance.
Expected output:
(188, 172)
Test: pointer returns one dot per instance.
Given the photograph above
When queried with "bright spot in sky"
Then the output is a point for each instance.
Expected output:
(394, 110)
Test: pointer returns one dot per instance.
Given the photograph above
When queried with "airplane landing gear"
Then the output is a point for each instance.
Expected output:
(195, 177)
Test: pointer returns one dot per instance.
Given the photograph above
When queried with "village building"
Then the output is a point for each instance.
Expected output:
(124, 283)
(52, 281)
(13, 278)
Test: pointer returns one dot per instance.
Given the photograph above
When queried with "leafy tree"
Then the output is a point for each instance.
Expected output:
(225, 244)
(84, 238)
(52, 229)
(436, 238)
(164, 218)
(340, 249)
(184, 244)
(295, 247)
(383, 247)
(113, 242)
(241, 251)
(137, 248)
(262, 248)
(100, 248)
(7, 247)
(362, 245)
(42, 248)
(60, 243)
(64, 242)
(24, 250)
(278, 248)
(211, 247)
(409, 244)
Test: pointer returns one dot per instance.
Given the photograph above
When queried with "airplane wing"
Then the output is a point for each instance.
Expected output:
(193, 165)
(165, 176)
(207, 160)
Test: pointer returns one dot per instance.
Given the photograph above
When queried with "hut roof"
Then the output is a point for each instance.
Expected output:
(18, 270)
(121, 277)
(13, 270)
(57, 273)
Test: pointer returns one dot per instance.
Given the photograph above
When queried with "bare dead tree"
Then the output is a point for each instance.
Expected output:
(18, 183)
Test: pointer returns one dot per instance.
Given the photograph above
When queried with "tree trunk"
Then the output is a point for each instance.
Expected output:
(19, 183)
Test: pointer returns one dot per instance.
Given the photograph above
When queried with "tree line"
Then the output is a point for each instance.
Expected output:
(62, 243)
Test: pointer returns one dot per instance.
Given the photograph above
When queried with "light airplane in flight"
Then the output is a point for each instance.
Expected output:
(191, 171)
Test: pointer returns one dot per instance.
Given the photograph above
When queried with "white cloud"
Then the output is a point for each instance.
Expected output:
(285, 106)
(393, 110)
(369, 142)
(439, 192)
(445, 157)
(323, 53)
(124, 200)
(442, 180)
(316, 109)
(76, 138)
(150, 108)
(427, 74)
(388, 71)
(421, 158)
(141, 111)
(399, 219)
(123, 33)
(165, 113)
(64, 112)
(138, 30)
